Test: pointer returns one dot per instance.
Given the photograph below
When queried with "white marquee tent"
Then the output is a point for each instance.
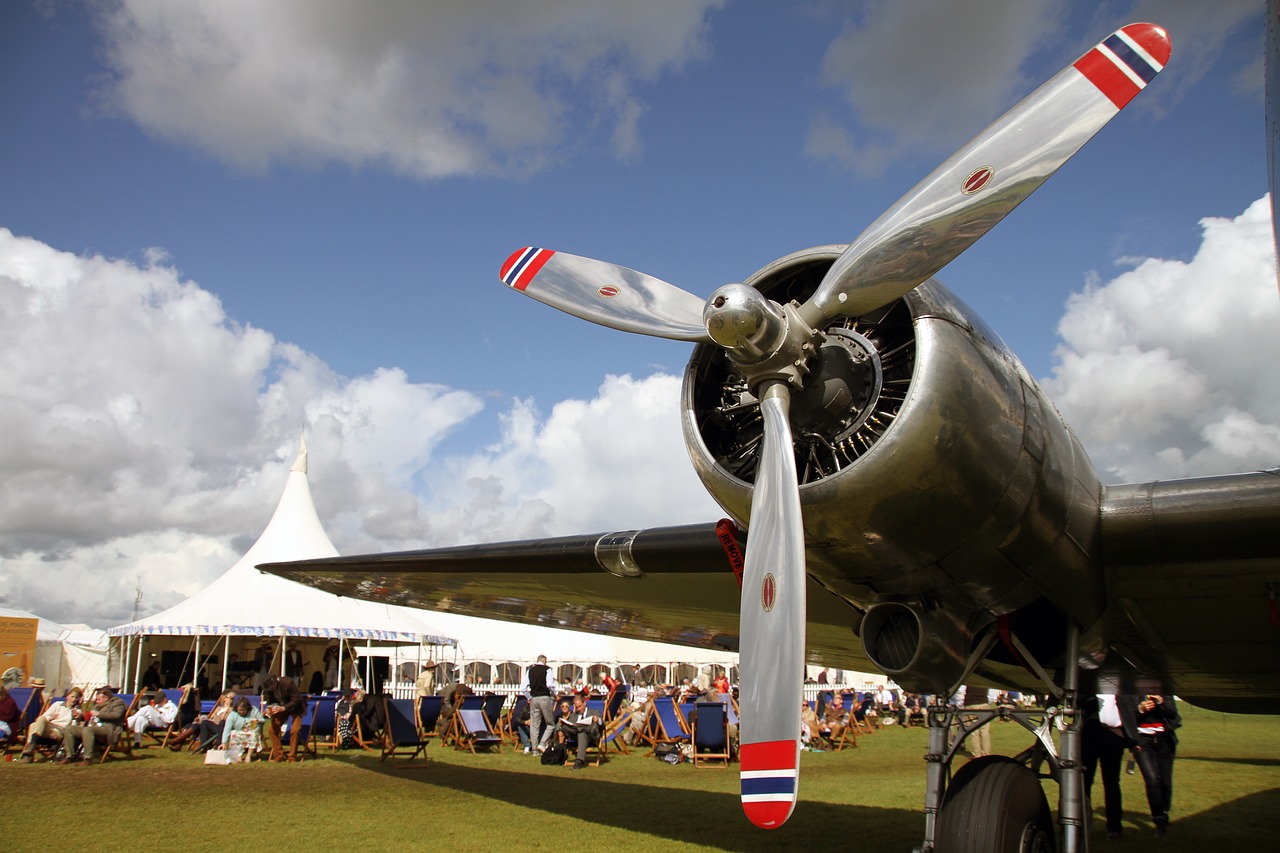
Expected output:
(245, 610)
(65, 654)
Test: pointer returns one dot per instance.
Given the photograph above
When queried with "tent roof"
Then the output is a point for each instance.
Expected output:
(247, 602)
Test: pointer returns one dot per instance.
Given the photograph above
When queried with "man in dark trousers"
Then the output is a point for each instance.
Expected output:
(542, 703)
(1156, 718)
(281, 700)
(580, 727)
(1107, 734)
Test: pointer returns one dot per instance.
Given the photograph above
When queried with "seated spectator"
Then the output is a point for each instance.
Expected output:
(453, 696)
(243, 728)
(579, 726)
(51, 723)
(10, 713)
(156, 713)
(810, 725)
(207, 728)
(103, 723)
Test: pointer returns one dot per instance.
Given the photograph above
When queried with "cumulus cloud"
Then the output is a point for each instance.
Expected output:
(148, 437)
(426, 90)
(1167, 369)
(896, 66)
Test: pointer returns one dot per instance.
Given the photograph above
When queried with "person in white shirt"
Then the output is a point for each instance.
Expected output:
(157, 713)
(50, 724)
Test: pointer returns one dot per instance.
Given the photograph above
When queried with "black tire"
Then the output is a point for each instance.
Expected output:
(995, 805)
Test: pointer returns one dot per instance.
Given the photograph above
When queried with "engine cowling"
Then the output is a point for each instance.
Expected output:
(935, 475)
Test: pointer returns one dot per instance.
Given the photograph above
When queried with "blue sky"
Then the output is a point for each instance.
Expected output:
(298, 213)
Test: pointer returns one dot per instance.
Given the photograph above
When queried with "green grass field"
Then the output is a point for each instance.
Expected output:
(1226, 798)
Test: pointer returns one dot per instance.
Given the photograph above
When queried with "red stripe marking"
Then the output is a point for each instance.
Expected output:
(768, 755)
(511, 261)
(1111, 81)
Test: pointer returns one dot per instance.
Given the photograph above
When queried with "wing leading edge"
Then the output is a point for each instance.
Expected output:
(663, 584)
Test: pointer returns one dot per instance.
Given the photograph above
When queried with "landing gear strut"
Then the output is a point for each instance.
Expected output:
(995, 804)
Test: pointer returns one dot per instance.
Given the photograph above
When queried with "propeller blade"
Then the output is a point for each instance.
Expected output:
(982, 182)
(771, 653)
(606, 294)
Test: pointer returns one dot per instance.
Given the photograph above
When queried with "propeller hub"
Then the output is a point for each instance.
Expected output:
(743, 321)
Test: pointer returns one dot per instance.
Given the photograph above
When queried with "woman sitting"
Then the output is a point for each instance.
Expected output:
(243, 729)
(207, 728)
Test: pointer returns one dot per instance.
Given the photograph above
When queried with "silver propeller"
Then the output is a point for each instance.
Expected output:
(771, 345)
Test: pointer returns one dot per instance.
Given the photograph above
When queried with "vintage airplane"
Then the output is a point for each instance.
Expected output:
(914, 502)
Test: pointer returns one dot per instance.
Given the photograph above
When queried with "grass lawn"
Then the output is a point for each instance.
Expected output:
(1226, 798)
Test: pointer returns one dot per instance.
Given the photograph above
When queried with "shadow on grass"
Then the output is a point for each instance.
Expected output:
(1251, 762)
(707, 818)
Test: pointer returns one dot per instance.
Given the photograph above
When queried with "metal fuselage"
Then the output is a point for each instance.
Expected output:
(941, 489)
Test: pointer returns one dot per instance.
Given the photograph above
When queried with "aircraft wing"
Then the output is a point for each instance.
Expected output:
(663, 584)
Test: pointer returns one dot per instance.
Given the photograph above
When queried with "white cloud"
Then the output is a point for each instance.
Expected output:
(922, 77)
(1167, 369)
(147, 435)
(423, 89)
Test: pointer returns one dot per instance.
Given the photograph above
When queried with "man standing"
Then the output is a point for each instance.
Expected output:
(1105, 736)
(427, 680)
(281, 700)
(542, 704)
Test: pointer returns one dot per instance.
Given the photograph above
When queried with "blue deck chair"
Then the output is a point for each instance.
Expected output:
(305, 724)
(509, 729)
(30, 702)
(428, 714)
(470, 702)
(492, 706)
(669, 722)
(710, 734)
(613, 703)
(401, 734)
(474, 731)
(161, 734)
(596, 707)
(324, 723)
(613, 730)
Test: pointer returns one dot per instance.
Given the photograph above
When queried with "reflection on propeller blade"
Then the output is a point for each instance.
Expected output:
(771, 661)
(606, 294)
(973, 190)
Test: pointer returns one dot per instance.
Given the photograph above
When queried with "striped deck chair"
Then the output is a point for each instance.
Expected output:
(427, 711)
(160, 735)
(474, 731)
(710, 734)
(401, 733)
(30, 702)
(671, 727)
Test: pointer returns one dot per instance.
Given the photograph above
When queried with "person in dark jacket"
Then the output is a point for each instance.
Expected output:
(1156, 719)
(282, 700)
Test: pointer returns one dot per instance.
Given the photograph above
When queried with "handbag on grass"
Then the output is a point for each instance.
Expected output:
(216, 756)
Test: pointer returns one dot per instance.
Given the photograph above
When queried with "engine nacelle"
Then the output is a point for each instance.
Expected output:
(934, 472)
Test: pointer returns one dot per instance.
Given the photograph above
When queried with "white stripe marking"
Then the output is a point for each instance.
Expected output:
(1122, 65)
(1139, 49)
(767, 774)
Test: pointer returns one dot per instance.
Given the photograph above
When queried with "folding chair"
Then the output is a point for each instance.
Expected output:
(178, 696)
(492, 707)
(474, 731)
(613, 731)
(401, 732)
(324, 724)
(710, 734)
(470, 702)
(508, 728)
(669, 722)
(28, 700)
(613, 702)
(123, 741)
(427, 710)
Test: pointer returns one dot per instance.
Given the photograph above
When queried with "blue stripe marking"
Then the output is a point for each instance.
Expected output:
(514, 274)
(770, 785)
(1136, 63)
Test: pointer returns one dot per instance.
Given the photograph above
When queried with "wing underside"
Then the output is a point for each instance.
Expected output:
(666, 584)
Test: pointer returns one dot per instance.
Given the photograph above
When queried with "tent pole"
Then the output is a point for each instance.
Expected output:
(368, 665)
(226, 662)
(195, 670)
(137, 667)
(126, 652)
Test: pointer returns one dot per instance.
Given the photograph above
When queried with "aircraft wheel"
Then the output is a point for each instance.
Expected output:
(995, 805)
